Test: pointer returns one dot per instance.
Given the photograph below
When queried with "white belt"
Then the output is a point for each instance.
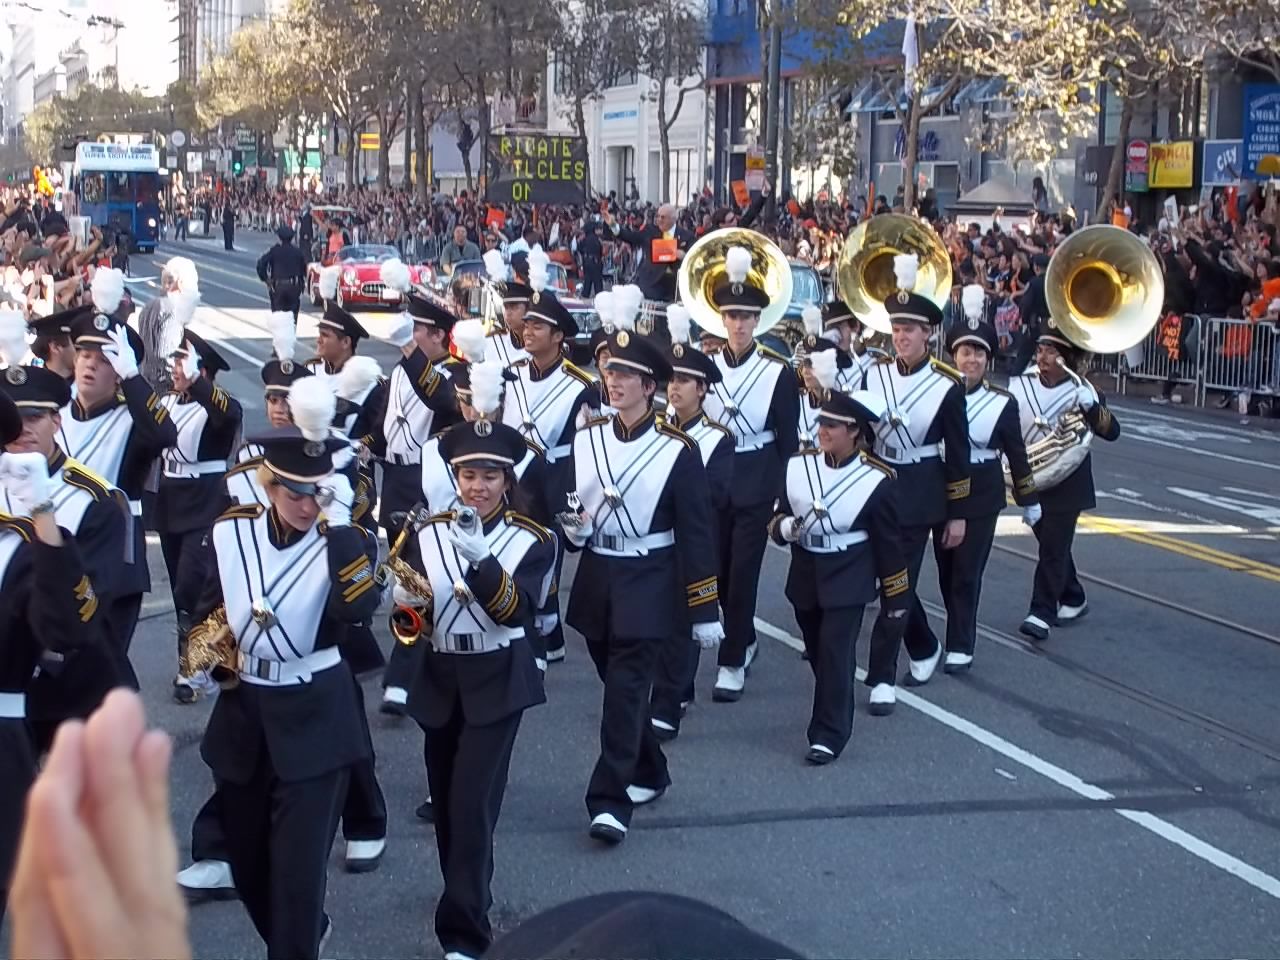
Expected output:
(559, 453)
(13, 706)
(135, 507)
(486, 641)
(832, 542)
(982, 454)
(753, 441)
(275, 673)
(911, 454)
(615, 545)
(178, 470)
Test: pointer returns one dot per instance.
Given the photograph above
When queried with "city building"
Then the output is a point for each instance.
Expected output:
(205, 28)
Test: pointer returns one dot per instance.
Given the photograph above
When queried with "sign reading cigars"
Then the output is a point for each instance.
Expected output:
(536, 168)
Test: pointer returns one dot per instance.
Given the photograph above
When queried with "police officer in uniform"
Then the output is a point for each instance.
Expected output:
(282, 742)
(758, 400)
(283, 269)
(693, 373)
(837, 512)
(490, 569)
(1044, 396)
(994, 429)
(925, 405)
(643, 526)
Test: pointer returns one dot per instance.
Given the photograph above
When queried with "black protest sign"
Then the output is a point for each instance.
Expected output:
(536, 168)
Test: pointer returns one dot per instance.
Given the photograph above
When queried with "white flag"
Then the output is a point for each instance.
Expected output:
(910, 50)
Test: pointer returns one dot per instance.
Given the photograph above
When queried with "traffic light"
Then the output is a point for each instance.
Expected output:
(237, 162)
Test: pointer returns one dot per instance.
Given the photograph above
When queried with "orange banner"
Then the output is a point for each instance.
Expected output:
(741, 195)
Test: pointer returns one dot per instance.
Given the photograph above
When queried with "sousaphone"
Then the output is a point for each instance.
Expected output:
(702, 270)
(864, 273)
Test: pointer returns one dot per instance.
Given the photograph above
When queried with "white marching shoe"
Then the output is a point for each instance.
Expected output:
(1035, 628)
(207, 880)
(608, 829)
(639, 796)
(730, 682)
(921, 671)
(395, 701)
(1067, 613)
(458, 955)
(957, 662)
(884, 697)
(363, 855)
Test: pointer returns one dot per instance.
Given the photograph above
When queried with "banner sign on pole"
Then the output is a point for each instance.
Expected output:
(1171, 165)
(1223, 160)
(536, 168)
(1261, 131)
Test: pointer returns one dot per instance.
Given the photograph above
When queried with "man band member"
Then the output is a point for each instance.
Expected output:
(490, 569)
(693, 373)
(758, 401)
(283, 269)
(841, 325)
(837, 511)
(1045, 395)
(505, 343)
(282, 742)
(52, 346)
(926, 414)
(993, 429)
(641, 495)
(813, 393)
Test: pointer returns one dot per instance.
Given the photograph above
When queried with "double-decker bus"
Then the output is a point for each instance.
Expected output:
(117, 187)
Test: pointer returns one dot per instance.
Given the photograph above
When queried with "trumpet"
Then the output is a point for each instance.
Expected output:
(408, 622)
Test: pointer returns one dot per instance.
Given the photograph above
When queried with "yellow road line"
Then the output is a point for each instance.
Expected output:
(1195, 551)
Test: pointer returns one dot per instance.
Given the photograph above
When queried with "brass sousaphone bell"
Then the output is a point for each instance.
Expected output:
(702, 270)
(864, 273)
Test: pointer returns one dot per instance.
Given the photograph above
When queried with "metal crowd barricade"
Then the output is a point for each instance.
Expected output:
(1241, 355)
(1150, 361)
(1108, 365)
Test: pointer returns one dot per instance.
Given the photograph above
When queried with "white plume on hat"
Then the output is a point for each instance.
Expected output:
(627, 301)
(107, 289)
(469, 338)
(184, 274)
(538, 263)
(812, 317)
(974, 300)
(486, 387)
(605, 310)
(284, 334)
(313, 404)
(394, 274)
(357, 375)
(495, 266)
(13, 336)
(329, 281)
(825, 368)
(183, 303)
(737, 263)
(905, 268)
(171, 334)
(678, 322)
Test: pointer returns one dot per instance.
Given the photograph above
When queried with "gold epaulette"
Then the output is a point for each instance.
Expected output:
(994, 389)
(526, 523)
(534, 447)
(596, 421)
(579, 374)
(871, 460)
(22, 526)
(946, 371)
(716, 425)
(244, 466)
(771, 353)
(242, 511)
(806, 452)
(78, 475)
(885, 358)
(667, 430)
(445, 516)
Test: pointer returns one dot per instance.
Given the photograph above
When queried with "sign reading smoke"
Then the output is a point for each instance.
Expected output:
(536, 168)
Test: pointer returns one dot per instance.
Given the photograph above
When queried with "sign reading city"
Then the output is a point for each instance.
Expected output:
(117, 156)
(1261, 131)
(1171, 165)
(536, 168)
(1223, 160)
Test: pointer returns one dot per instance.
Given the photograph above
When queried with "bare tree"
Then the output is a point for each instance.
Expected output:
(670, 42)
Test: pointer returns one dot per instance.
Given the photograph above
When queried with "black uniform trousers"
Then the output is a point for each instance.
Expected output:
(1056, 582)
(744, 534)
(960, 578)
(467, 769)
(401, 490)
(17, 773)
(289, 300)
(186, 558)
(830, 641)
(629, 751)
(278, 838)
(921, 644)
(673, 680)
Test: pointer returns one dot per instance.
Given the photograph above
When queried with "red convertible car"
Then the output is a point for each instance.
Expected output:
(360, 282)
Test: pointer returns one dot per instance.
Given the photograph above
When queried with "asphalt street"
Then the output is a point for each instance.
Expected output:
(1115, 792)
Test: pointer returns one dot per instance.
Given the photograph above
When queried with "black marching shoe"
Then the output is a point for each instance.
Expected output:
(1034, 627)
(363, 856)
(957, 662)
(664, 731)
(607, 828)
(819, 755)
(426, 811)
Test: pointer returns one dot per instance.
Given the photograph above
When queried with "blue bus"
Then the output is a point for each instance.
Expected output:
(117, 186)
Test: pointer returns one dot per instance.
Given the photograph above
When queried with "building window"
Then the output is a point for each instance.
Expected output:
(683, 176)
(624, 78)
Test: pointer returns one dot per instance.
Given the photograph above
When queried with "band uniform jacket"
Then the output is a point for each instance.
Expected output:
(440, 483)
(851, 377)
(645, 489)
(359, 414)
(808, 420)
(316, 583)
(715, 446)
(994, 429)
(481, 655)
(759, 403)
(118, 442)
(924, 436)
(207, 420)
(1040, 407)
(850, 540)
(544, 406)
(501, 346)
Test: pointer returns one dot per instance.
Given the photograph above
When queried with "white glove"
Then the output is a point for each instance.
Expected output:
(580, 534)
(545, 623)
(1085, 396)
(790, 529)
(1031, 514)
(401, 333)
(708, 635)
(403, 598)
(338, 498)
(120, 355)
(191, 364)
(540, 663)
(471, 545)
(343, 456)
(26, 477)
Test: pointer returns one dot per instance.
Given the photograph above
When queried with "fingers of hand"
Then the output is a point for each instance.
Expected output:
(37, 932)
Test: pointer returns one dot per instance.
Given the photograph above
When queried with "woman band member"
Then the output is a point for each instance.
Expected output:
(812, 392)
(994, 429)
(1044, 396)
(490, 569)
(837, 511)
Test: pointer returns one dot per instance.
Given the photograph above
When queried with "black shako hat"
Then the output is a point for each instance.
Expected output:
(279, 375)
(428, 312)
(210, 359)
(35, 389)
(483, 443)
(10, 420)
(1052, 335)
(298, 463)
(629, 350)
(91, 331)
(58, 324)
(546, 308)
(977, 333)
(687, 360)
(338, 319)
(738, 291)
(837, 311)
(852, 409)
(814, 345)
(904, 307)
(513, 291)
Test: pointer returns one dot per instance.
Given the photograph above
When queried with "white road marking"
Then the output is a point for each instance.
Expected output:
(1183, 434)
(1210, 854)
(1140, 412)
(1201, 452)
(1128, 496)
(1259, 511)
(1252, 493)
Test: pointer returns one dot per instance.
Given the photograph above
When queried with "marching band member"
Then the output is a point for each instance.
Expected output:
(841, 325)
(993, 429)
(693, 373)
(837, 512)
(1044, 395)
(813, 393)
(47, 600)
(643, 525)
(338, 334)
(758, 400)
(926, 416)
(282, 742)
(207, 420)
(505, 343)
(52, 346)
(490, 568)
(278, 374)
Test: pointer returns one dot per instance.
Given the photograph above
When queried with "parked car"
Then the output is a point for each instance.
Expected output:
(360, 280)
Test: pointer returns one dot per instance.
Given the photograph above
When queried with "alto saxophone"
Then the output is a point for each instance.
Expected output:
(408, 623)
(212, 647)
